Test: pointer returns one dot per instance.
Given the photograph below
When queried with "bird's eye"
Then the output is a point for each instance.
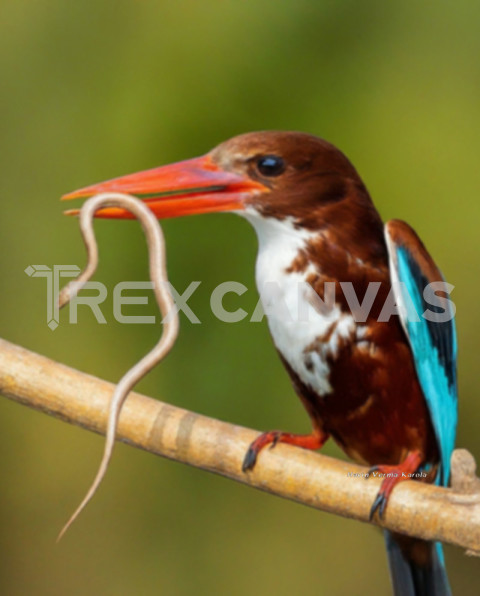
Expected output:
(270, 165)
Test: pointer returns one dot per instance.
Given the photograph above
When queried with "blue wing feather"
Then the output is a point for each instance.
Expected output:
(433, 344)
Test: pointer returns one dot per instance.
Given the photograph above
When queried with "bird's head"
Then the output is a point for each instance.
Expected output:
(270, 174)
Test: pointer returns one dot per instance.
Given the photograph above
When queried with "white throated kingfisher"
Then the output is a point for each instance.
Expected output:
(385, 390)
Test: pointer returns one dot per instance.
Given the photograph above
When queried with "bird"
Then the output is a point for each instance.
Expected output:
(381, 381)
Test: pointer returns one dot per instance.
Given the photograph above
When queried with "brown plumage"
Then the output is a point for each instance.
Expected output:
(376, 411)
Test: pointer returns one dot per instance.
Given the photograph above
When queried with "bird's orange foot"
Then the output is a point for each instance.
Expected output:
(392, 476)
(313, 441)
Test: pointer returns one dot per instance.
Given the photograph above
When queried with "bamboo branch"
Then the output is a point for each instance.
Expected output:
(416, 509)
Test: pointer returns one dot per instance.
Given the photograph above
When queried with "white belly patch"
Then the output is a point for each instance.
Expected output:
(296, 324)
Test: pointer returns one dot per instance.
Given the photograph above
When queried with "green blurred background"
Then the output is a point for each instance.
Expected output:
(92, 90)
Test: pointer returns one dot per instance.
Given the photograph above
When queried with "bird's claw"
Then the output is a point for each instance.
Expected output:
(379, 504)
(393, 475)
(262, 441)
(249, 460)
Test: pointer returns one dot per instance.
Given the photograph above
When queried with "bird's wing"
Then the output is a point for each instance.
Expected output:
(427, 317)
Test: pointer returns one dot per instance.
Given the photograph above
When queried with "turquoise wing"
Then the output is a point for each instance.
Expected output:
(427, 316)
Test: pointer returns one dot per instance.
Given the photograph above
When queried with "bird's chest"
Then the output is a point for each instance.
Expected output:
(307, 335)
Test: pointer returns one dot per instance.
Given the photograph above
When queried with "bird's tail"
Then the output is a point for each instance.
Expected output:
(417, 568)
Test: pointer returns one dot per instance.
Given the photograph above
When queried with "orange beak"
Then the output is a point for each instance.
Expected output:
(184, 188)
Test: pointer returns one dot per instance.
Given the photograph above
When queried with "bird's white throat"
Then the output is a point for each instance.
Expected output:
(296, 324)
